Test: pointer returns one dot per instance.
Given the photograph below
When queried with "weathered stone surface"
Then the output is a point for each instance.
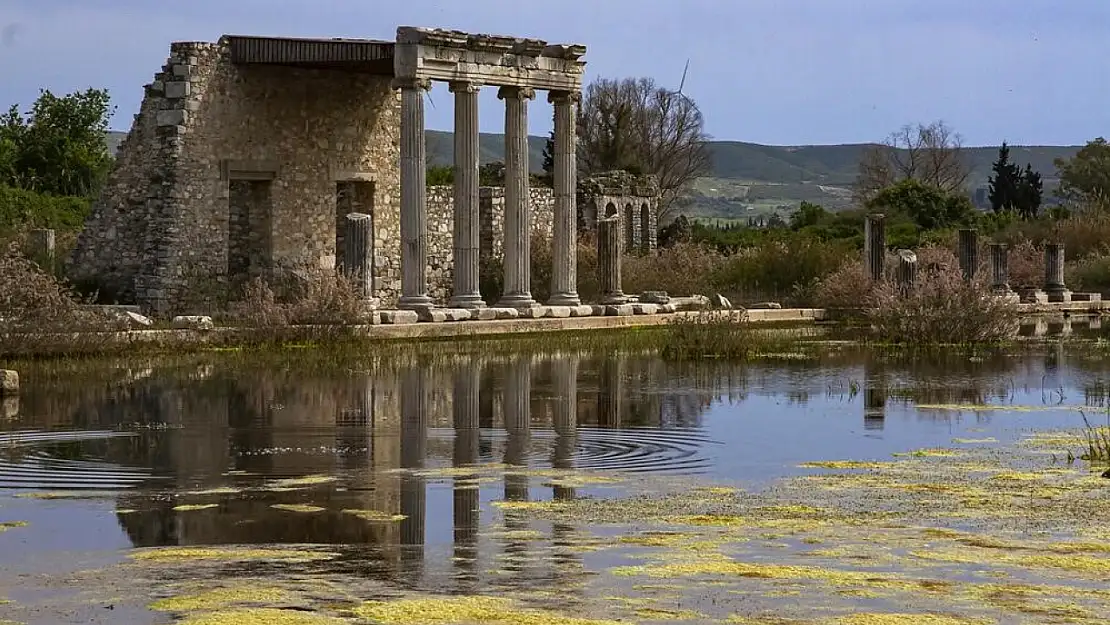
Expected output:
(584, 310)
(109, 309)
(619, 310)
(173, 117)
(1086, 297)
(609, 257)
(766, 306)
(668, 309)
(136, 319)
(533, 312)
(1000, 268)
(645, 309)
(458, 314)
(192, 322)
(597, 310)
(431, 315)
(693, 302)
(9, 382)
(559, 312)
(9, 407)
(398, 317)
(633, 199)
(1033, 296)
(655, 297)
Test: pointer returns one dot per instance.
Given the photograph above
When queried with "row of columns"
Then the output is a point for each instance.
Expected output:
(518, 217)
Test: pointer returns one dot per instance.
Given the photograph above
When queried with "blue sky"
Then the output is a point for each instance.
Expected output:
(767, 71)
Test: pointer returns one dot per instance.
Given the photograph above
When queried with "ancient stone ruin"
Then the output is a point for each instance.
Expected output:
(248, 155)
(634, 199)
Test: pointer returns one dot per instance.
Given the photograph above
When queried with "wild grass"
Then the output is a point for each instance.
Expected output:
(1098, 442)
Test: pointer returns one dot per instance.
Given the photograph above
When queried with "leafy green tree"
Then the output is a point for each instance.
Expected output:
(929, 207)
(58, 147)
(1031, 193)
(1086, 176)
(808, 214)
(549, 157)
(1004, 182)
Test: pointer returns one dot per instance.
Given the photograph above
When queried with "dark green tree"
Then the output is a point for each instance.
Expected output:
(1005, 183)
(1086, 176)
(1031, 193)
(929, 207)
(58, 148)
(549, 157)
(808, 214)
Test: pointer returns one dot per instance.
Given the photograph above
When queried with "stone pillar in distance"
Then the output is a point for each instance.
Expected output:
(609, 260)
(968, 252)
(358, 253)
(1054, 285)
(42, 248)
(518, 219)
(414, 196)
(874, 246)
(1000, 269)
(907, 270)
(564, 240)
(466, 235)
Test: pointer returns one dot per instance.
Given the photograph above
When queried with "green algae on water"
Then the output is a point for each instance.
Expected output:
(221, 598)
(464, 609)
(375, 515)
(191, 507)
(297, 507)
(7, 525)
(262, 616)
(186, 554)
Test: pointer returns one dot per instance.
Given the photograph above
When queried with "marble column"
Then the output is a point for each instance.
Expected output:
(564, 372)
(466, 502)
(874, 246)
(414, 196)
(564, 239)
(518, 417)
(517, 291)
(466, 293)
(968, 252)
(609, 260)
(1000, 268)
(907, 270)
(1054, 267)
(414, 439)
(358, 252)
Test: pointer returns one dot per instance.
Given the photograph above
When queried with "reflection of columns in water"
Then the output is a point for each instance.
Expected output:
(609, 392)
(414, 432)
(518, 415)
(565, 378)
(466, 409)
(874, 397)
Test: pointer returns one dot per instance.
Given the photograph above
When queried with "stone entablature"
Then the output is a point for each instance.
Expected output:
(634, 198)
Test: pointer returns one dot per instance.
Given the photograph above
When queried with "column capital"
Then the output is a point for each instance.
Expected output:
(463, 86)
(522, 93)
(564, 97)
(423, 84)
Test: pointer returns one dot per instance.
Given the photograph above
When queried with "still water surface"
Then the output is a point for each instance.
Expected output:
(195, 455)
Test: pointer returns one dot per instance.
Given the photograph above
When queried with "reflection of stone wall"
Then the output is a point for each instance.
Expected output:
(162, 221)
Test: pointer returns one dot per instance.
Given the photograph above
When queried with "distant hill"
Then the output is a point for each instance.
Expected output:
(752, 178)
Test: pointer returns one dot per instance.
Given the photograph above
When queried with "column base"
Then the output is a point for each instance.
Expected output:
(468, 302)
(614, 299)
(517, 300)
(564, 299)
(415, 302)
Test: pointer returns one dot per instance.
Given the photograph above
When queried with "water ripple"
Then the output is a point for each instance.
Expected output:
(38, 469)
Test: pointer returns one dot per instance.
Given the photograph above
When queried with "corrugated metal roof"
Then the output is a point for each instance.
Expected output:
(351, 54)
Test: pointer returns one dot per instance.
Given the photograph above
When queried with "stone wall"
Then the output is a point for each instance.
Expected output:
(635, 199)
(491, 214)
(164, 221)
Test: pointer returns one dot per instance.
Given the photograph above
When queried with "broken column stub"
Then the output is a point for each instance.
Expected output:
(907, 270)
(968, 252)
(609, 260)
(1054, 286)
(358, 254)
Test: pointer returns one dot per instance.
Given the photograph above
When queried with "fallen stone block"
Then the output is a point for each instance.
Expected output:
(399, 317)
(193, 322)
(9, 408)
(9, 382)
(597, 310)
(654, 297)
(502, 314)
(645, 309)
(457, 314)
(1086, 297)
(766, 306)
(431, 315)
(532, 312)
(559, 312)
(483, 314)
(619, 310)
(582, 311)
(668, 309)
(694, 302)
(135, 319)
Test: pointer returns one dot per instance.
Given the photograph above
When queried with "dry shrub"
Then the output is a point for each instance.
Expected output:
(1090, 274)
(847, 287)
(773, 269)
(709, 334)
(1026, 264)
(1084, 234)
(33, 300)
(941, 308)
(307, 295)
(684, 269)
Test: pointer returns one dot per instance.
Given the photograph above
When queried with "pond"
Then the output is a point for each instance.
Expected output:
(839, 484)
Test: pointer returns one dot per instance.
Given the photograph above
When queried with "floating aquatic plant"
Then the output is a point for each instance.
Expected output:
(375, 515)
(464, 609)
(7, 525)
(297, 507)
(185, 554)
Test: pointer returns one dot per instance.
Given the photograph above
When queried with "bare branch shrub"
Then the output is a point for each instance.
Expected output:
(306, 295)
(32, 300)
(932, 154)
(683, 269)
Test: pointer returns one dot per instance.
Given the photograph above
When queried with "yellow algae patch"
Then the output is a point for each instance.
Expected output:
(974, 441)
(184, 554)
(297, 507)
(658, 614)
(907, 619)
(531, 505)
(464, 610)
(844, 464)
(718, 490)
(223, 490)
(578, 481)
(126, 511)
(737, 619)
(262, 616)
(929, 453)
(220, 598)
(189, 507)
(308, 480)
(761, 571)
(792, 509)
(7, 525)
(710, 520)
(657, 539)
(375, 515)
(997, 408)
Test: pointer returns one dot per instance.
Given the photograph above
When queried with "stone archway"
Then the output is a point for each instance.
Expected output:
(645, 227)
(629, 227)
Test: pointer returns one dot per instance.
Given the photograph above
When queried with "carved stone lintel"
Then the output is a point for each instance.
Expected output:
(523, 93)
(564, 97)
(408, 82)
(462, 86)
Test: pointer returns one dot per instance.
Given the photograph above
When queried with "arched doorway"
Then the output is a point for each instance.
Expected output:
(629, 228)
(645, 227)
(610, 210)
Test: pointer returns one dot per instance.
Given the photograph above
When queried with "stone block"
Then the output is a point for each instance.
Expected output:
(1086, 297)
(431, 315)
(1059, 297)
(172, 117)
(9, 382)
(597, 310)
(619, 310)
(483, 314)
(645, 309)
(399, 317)
(654, 297)
(559, 312)
(9, 408)
(192, 322)
(720, 301)
(501, 314)
(582, 311)
(1033, 296)
(177, 89)
(457, 314)
(766, 306)
(534, 312)
(668, 309)
(134, 319)
(182, 70)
